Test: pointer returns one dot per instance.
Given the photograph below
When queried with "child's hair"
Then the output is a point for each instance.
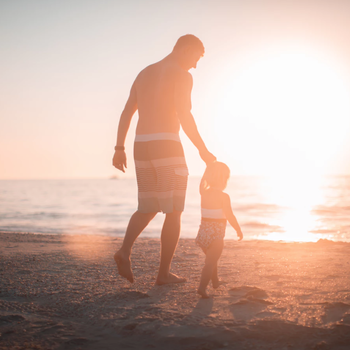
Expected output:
(216, 175)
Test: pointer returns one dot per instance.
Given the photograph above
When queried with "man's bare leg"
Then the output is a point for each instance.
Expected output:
(137, 224)
(169, 239)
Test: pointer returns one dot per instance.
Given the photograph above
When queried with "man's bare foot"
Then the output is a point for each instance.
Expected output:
(217, 284)
(124, 266)
(172, 278)
(203, 293)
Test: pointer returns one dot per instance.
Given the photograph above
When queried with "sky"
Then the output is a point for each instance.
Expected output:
(271, 94)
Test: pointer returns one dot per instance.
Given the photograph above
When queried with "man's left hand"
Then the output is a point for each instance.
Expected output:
(119, 160)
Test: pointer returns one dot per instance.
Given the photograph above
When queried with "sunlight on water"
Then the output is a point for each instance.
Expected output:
(298, 195)
(288, 207)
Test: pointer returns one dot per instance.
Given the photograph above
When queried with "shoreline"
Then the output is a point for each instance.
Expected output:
(121, 236)
(63, 292)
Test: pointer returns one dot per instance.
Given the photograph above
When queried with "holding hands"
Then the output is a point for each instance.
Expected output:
(207, 157)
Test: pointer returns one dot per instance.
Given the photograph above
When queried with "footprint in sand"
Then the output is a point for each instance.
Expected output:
(132, 295)
(334, 312)
(346, 319)
(266, 314)
(245, 291)
(251, 302)
(245, 310)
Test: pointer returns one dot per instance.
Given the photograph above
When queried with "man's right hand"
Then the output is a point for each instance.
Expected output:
(119, 160)
(207, 157)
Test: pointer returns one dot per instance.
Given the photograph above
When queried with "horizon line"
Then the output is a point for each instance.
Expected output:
(123, 177)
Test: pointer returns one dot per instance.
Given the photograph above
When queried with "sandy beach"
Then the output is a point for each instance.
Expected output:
(63, 292)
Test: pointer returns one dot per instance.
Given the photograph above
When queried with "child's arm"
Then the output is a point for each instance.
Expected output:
(229, 215)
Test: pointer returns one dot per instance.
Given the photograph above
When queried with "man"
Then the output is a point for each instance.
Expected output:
(162, 95)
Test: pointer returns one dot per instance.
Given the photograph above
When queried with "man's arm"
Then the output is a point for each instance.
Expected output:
(183, 107)
(119, 158)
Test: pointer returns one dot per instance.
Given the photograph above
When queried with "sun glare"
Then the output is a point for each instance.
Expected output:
(285, 114)
(289, 108)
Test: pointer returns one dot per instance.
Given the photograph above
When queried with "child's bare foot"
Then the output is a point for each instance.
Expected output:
(171, 278)
(124, 266)
(203, 293)
(217, 284)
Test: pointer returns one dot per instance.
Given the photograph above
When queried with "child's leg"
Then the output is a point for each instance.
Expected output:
(214, 276)
(212, 256)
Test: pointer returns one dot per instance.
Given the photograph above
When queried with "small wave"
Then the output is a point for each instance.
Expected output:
(323, 231)
(264, 226)
(259, 207)
(335, 209)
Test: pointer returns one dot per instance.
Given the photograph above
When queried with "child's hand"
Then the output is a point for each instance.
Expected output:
(240, 235)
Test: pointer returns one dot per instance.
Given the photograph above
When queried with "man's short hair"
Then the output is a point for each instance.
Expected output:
(189, 40)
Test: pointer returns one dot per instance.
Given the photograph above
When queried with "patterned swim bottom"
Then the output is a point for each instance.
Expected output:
(210, 231)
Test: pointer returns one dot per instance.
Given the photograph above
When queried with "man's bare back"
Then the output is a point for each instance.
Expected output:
(155, 90)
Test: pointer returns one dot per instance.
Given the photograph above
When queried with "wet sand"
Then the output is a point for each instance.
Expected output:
(63, 292)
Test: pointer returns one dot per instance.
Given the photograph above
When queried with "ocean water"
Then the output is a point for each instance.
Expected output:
(280, 208)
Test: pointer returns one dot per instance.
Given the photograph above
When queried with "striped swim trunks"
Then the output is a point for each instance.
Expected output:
(161, 172)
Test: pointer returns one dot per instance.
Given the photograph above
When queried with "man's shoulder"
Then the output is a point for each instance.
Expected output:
(146, 70)
(165, 69)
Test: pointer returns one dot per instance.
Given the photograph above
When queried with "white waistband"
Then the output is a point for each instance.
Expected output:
(213, 213)
(158, 136)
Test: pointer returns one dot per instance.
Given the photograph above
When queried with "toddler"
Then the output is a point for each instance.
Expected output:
(216, 210)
